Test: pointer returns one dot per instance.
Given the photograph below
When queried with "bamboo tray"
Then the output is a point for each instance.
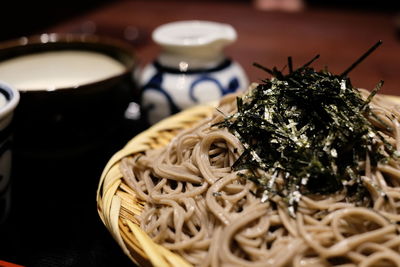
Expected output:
(117, 203)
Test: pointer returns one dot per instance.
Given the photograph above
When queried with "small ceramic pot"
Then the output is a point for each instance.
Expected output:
(9, 98)
(62, 121)
(190, 69)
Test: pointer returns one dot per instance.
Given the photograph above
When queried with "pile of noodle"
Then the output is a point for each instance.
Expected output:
(199, 208)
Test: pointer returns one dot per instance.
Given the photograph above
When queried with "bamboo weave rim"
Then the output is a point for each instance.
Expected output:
(117, 203)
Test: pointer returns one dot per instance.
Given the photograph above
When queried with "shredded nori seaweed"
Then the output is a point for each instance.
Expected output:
(312, 127)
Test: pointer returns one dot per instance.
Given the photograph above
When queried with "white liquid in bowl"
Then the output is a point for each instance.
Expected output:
(58, 69)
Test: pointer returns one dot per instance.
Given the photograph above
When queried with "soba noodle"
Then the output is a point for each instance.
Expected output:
(197, 207)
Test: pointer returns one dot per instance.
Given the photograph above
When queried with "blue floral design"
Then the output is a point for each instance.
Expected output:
(232, 86)
(155, 84)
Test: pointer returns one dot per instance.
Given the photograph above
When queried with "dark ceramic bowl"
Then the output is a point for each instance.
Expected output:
(62, 122)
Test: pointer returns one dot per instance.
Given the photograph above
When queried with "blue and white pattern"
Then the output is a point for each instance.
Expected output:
(166, 91)
(6, 115)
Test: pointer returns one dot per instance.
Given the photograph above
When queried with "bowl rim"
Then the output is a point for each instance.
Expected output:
(56, 41)
(12, 103)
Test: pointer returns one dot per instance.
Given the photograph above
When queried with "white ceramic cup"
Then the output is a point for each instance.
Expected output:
(9, 99)
(191, 68)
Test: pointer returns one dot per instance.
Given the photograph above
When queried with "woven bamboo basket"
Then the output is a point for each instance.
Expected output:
(117, 204)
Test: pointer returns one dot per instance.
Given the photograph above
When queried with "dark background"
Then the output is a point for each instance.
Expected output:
(21, 18)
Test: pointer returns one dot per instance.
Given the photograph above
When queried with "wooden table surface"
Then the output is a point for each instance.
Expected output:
(266, 37)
